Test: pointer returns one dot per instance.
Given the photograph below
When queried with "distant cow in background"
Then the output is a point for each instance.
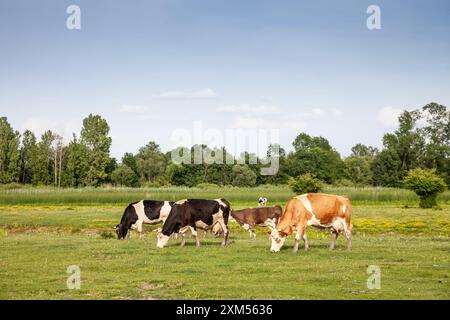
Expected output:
(262, 201)
(251, 217)
(193, 214)
(138, 213)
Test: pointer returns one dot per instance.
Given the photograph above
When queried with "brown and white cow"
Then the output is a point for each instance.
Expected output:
(249, 218)
(313, 209)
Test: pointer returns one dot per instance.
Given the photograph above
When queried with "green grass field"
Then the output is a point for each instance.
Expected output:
(40, 238)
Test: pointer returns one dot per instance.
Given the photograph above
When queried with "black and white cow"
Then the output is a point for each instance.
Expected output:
(262, 201)
(144, 211)
(192, 214)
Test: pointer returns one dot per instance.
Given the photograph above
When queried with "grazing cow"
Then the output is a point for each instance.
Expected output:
(262, 202)
(252, 217)
(193, 214)
(138, 213)
(313, 209)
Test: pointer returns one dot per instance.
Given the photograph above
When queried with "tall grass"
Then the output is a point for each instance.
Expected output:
(275, 194)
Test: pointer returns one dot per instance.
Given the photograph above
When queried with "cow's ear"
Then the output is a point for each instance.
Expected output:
(283, 234)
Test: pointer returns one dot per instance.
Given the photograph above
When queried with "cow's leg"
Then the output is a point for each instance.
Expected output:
(334, 235)
(225, 232)
(305, 239)
(247, 227)
(195, 235)
(183, 239)
(348, 234)
(297, 239)
(139, 229)
(129, 233)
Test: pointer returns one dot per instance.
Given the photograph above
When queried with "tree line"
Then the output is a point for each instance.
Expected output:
(422, 140)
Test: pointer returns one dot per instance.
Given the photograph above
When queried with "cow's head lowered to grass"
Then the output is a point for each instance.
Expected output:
(121, 231)
(278, 238)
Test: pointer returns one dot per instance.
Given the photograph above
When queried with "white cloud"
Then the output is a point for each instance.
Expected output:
(135, 109)
(336, 111)
(388, 116)
(248, 122)
(248, 109)
(272, 117)
(198, 94)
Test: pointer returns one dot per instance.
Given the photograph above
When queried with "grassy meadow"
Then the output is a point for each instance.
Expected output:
(43, 231)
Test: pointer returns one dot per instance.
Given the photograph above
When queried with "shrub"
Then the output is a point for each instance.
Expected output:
(305, 183)
(426, 184)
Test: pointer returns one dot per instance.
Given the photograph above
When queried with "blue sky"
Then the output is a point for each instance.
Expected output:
(152, 67)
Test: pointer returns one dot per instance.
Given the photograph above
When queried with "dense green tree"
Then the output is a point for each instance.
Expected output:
(124, 176)
(361, 150)
(385, 169)
(358, 169)
(95, 137)
(402, 150)
(44, 168)
(274, 153)
(437, 135)
(243, 176)
(130, 160)
(76, 164)
(316, 156)
(28, 156)
(9, 152)
(112, 165)
(150, 161)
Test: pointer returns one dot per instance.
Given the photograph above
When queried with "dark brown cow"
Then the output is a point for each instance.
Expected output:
(252, 217)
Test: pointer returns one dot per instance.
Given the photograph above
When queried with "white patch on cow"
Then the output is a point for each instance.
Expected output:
(165, 210)
(183, 230)
(220, 202)
(338, 224)
(200, 224)
(277, 241)
(139, 208)
(217, 229)
(162, 241)
(246, 226)
(307, 205)
(142, 218)
(270, 223)
(193, 231)
(181, 201)
(297, 234)
(344, 208)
